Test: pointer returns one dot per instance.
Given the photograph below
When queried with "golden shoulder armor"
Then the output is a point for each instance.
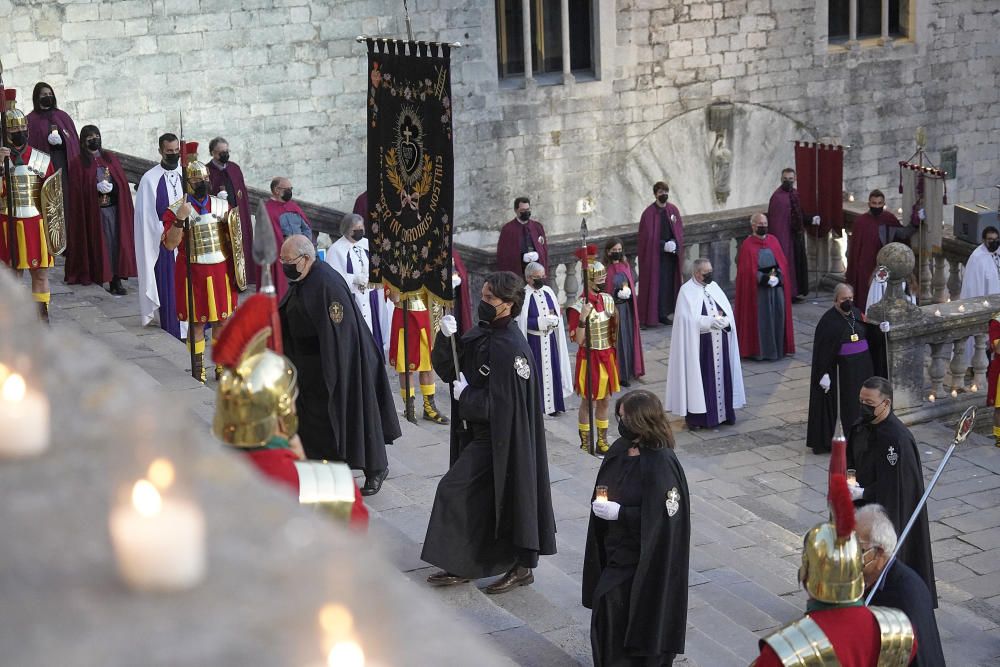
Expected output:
(803, 643)
(896, 635)
(329, 486)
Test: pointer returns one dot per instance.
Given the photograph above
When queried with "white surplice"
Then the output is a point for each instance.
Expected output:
(336, 256)
(546, 340)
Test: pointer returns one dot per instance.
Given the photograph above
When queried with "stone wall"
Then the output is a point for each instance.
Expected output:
(284, 81)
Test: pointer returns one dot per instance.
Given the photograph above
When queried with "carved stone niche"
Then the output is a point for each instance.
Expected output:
(720, 155)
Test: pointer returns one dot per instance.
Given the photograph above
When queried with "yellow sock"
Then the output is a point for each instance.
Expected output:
(996, 431)
(199, 346)
(41, 297)
(427, 389)
(402, 392)
(585, 428)
(601, 423)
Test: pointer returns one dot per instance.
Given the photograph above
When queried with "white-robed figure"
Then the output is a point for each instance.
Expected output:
(982, 275)
(160, 187)
(349, 256)
(704, 376)
(542, 324)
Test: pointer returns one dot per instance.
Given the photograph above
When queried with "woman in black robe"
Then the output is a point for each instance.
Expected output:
(620, 283)
(635, 570)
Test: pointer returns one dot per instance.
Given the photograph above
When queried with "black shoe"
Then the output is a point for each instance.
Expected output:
(516, 576)
(442, 578)
(374, 483)
(117, 288)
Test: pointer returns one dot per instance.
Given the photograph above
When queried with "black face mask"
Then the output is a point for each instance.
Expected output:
(291, 271)
(992, 246)
(94, 144)
(760, 231)
(224, 157)
(662, 198)
(286, 195)
(18, 139)
(357, 234)
(625, 432)
(538, 283)
(707, 278)
(846, 305)
(786, 186)
(170, 161)
(47, 102)
(486, 312)
(867, 413)
(200, 189)
(524, 216)
(876, 212)
(614, 256)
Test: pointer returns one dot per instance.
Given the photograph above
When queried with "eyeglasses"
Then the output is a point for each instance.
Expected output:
(293, 260)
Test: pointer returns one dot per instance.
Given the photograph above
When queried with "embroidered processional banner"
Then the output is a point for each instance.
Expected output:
(410, 167)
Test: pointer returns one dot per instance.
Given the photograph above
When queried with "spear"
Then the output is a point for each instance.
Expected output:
(265, 253)
(189, 248)
(588, 389)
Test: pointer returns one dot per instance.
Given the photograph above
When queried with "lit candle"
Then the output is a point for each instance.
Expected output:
(986, 302)
(954, 393)
(601, 493)
(961, 308)
(159, 542)
(932, 398)
(338, 628)
(24, 414)
(974, 387)
(937, 313)
(346, 654)
(852, 477)
(850, 197)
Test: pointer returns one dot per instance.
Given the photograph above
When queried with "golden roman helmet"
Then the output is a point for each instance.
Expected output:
(596, 271)
(831, 568)
(14, 119)
(194, 170)
(257, 391)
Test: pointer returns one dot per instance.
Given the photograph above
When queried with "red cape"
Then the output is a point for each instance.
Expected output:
(465, 313)
(993, 373)
(510, 246)
(361, 205)
(638, 363)
(274, 210)
(862, 252)
(650, 249)
(88, 259)
(746, 294)
(218, 183)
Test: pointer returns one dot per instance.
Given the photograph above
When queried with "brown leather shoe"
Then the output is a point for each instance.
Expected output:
(442, 578)
(516, 576)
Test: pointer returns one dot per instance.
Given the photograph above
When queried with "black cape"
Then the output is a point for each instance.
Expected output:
(502, 407)
(888, 468)
(832, 330)
(657, 615)
(359, 400)
(903, 589)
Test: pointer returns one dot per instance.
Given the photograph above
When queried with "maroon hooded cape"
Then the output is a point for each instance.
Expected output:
(463, 303)
(217, 178)
(39, 123)
(784, 221)
(614, 268)
(274, 211)
(746, 294)
(862, 252)
(650, 249)
(510, 246)
(361, 205)
(88, 259)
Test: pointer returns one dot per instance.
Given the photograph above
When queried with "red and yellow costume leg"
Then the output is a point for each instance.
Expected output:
(418, 347)
(32, 244)
(215, 296)
(603, 375)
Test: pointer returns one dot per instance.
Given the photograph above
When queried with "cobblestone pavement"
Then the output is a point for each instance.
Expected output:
(755, 491)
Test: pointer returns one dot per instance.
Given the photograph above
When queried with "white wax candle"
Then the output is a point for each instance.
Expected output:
(24, 415)
(159, 542)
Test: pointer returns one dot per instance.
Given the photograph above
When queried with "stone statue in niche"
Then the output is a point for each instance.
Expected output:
(722, 163)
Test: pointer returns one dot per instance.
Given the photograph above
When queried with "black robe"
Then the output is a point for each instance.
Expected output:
(657, 608)
(345, 402)
(832, 330)
(903, 589)
(494, 505)
(888, 468)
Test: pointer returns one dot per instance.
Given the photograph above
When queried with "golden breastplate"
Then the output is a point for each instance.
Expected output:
(207, 229)
(600, 324)
(415, 303)
(27, 182)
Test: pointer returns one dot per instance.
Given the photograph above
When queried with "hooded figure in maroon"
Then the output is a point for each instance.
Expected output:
(104, 248)
(226, 176)
(763, 296)
(522, 241)
(661, 259)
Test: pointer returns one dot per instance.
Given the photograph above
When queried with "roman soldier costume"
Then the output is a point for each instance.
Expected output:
(417, 338)
(32, 218)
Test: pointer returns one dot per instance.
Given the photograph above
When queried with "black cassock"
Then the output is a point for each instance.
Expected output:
(903, 589)
(888, 468)
(834, 334)
(345, 404)
(493, 508)
(635, 569)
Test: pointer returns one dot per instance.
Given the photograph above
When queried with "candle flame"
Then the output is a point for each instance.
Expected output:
(346, 654)
(146, 498)
(974, 387)
(161, 473)
(961, 308)
(336, 619)
(850, 197)
(899, 211)
(954, 393)
(937, 313)
(931, 398)
(14, 389)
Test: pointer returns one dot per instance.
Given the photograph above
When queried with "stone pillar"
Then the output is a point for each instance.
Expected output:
(529, 75)
(836, 250)
(566, 60)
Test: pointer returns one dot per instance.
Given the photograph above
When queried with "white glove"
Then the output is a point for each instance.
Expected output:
(360, 279)
(773, 281)
(55, 139)
(857, 492)
(824, 382)
(551, 321)
(459, 385)
(816, 221)
(607, 510)
(625, 293)
(922, 214)
(719, 323)
(705, 323)
(529, 257)
(670, 246)
(104, 187)
(449, 326)
(222, 194)
(456, 279)
(884, 327)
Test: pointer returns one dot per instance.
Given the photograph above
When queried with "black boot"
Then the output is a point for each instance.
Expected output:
(431, 413)
(117, 288)
(43, 312)
(198, 372)
(373, 482)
